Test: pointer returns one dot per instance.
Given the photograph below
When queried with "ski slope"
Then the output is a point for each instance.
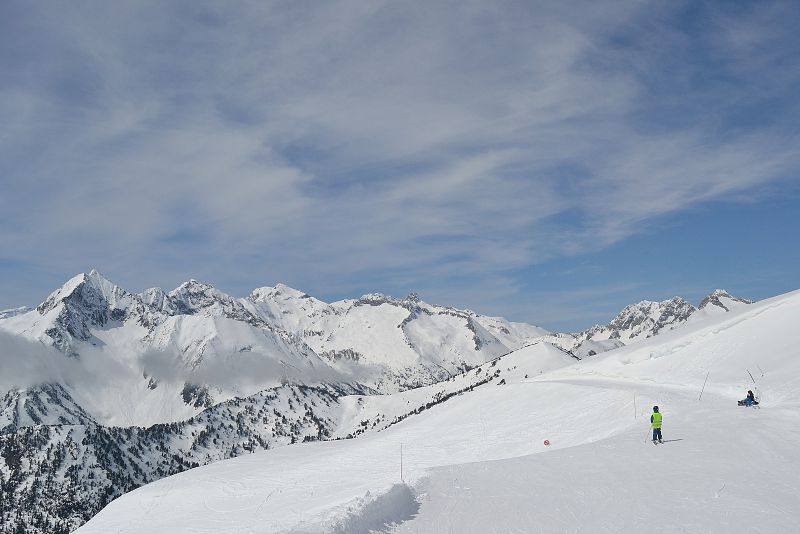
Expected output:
(478, 462)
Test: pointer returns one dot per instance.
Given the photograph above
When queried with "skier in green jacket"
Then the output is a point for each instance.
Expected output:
(655, 420)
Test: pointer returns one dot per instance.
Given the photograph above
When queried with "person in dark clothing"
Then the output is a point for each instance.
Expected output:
(750, 400)
(655, 421)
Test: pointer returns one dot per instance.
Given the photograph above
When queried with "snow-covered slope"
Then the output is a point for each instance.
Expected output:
(415, 343)
(103, 462)
(474, 463)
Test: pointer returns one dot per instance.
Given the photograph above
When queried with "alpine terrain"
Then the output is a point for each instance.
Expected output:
(106, 390)
(564, 450)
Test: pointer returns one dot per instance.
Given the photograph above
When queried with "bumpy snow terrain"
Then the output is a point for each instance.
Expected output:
(479, 461)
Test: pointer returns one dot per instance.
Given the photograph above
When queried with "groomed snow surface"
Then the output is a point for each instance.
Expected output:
(478, 462)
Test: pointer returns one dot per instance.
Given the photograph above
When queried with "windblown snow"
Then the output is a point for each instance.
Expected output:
(479, 462)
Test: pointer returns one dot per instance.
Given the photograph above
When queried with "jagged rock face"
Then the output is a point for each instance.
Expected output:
(648, 318)
(641, 320)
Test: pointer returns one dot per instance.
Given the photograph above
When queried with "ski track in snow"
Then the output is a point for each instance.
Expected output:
(477, 463)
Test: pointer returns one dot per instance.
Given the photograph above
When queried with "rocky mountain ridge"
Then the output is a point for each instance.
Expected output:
(647, 318)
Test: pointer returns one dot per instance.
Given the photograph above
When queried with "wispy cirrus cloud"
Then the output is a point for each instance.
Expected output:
(334, 146)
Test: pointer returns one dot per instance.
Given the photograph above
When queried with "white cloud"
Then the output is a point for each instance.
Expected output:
(266, 141)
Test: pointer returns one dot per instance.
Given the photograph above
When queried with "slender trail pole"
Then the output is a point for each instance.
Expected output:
(401, 461)
(704, 385)
(635, 411)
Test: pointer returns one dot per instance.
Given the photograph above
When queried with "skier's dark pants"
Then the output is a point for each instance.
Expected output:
(656, 434)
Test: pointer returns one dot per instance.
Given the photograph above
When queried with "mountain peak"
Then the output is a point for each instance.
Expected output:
(280, 290)
(101, 288)
(193, 284)
(721, 299)
(87, 300)
(192, 296)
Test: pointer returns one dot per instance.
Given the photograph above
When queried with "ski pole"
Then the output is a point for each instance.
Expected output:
(401, 463)
(704, 385)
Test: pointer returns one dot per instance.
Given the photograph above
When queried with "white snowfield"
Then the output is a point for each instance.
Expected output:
(478, 463)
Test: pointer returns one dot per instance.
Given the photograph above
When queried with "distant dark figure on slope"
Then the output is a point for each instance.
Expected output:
(655, 421)
(750, 400)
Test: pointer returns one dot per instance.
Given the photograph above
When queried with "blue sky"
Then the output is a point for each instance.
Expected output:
(549, 162)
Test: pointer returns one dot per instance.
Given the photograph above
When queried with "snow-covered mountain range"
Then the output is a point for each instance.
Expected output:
(200, 344)
(564, 450)
(111, 389)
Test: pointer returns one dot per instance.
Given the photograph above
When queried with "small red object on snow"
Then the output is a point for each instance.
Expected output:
(547, 442)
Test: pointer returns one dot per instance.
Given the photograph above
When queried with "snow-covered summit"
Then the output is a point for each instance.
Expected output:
(723, 300)
(279, 290)
(91, 290)
(87, 301)
(195, 297)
